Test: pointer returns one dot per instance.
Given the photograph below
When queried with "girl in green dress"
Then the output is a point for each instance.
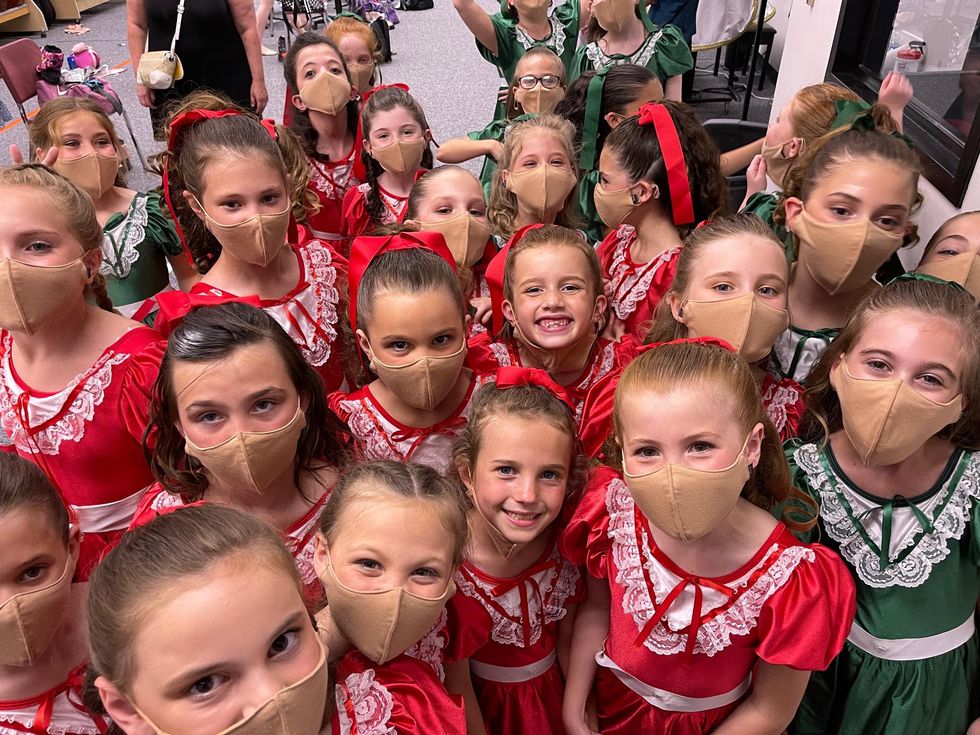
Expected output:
(893, 467)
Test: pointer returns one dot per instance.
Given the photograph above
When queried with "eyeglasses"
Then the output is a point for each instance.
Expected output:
(548, 81)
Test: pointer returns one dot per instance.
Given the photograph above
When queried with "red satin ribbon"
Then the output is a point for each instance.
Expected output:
(175, 305)
(495, 279)
(511, 377)
(678, 182)
(366, 94)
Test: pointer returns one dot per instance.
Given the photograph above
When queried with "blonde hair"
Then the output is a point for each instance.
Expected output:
(543, 52)
(44, 128)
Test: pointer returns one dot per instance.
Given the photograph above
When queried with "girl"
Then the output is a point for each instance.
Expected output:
(139, 238)
(621, 33)
(706, 612)
(655, 183)
(409, 321)
(516, 597)
(390, 541)
(359, 46)
(535, 180)
(731, 283)
(849, 215)
(44, 646)
(197, 624)
(239, 186)
(895, 472)
(953, 253)
(74, 377)
(241, 419)
(396, 152)
(327, 122)
(537, 87)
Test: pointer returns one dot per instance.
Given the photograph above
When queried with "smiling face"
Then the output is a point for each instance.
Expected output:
(449, 195)
(406, 327)
(390, 126)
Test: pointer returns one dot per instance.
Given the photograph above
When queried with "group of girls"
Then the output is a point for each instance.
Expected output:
(397, 456)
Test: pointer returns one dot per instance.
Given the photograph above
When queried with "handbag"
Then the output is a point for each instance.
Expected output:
(160, 69)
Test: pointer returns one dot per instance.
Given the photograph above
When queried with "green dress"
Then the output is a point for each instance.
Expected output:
(926, 583)
(135, 247)
(663, 51)
(494, 131)
(797, 350)
(762, 204)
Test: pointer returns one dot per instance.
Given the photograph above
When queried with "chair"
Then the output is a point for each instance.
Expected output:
(729, 135)
(18, 69)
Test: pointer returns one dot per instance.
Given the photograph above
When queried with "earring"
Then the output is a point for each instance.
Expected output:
(88, 272)
(680, 311)
(751, 467)
(634, 199)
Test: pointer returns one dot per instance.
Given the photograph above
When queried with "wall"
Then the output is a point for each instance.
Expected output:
(780, 21)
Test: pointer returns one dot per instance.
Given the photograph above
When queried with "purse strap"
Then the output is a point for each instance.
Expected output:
(180, 17)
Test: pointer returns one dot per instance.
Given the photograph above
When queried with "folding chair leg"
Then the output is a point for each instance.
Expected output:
(136, 144)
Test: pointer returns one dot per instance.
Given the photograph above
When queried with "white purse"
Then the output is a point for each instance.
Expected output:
(160, 69)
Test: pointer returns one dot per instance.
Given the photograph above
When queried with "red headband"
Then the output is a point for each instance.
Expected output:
(670, 148)
(365, 249)
(495, 279)
(512, 377)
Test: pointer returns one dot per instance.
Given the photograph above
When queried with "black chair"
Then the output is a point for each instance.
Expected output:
(729, 135)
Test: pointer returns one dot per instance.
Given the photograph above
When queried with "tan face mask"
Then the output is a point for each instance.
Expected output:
(32, 296)
(251, 459)
(843, 257)
(538, 100)
(614, 15)
(256, 240)
(422, 383)
(296, 710)
(542, 190)
(686, 503)
(29, 620)
(614, 207)
(327, 93)
(94, 173)
(777, 164)
(382, 624)
(747, 323)
(886, 420)
(401, 158)
(466, 237)
(360, 75)
(963, 269)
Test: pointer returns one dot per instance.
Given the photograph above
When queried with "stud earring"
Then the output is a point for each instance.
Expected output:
(751, 467)
(634, 199)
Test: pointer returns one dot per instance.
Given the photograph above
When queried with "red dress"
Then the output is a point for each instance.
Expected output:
(508, 628)
(378, 435)
(357, 221)
(783, 401)
(299, 537)
(58, 711)
(88, 437)
(791, 604)
(636, 288)
(481, 289)
(330, 181)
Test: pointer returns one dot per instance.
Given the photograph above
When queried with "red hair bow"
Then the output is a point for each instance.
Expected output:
(365, 249)
(175, 305)
(512, 377)
(495, 279)
(366, 94)
(681, 202)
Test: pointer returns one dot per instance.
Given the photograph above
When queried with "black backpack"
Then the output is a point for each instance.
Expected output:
(417, 5)
(383, 34)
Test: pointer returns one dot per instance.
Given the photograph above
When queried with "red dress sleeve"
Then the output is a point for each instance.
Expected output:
(468, 627)
(605, 249)
(585, 539)
(805, 624)
(355, 219)
(479, 357)
(143, 367)
(145, 512)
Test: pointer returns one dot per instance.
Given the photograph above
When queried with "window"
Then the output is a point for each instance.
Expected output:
(938, 44)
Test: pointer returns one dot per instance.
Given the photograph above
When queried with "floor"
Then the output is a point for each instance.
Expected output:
(435, 55)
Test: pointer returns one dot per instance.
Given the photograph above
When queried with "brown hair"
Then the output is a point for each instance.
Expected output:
(594, 31)
(24, 485)
(408, 481)
(76, 210)
(420, 190)
(698, 366)
(513, 109)
(941, 232)
(212, 141)
(43, 130)
(940, 301)
(747, 229)
(502, 208)
(212, 333)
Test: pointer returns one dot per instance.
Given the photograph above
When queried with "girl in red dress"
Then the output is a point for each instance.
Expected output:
(241, 419)
(659, 175)
(397, 151)
(42, 633)
(704, 613)
(731, 283)
(326, 119)
(391, 538)
(512, 614)
(235, 184)
(74, 377)
(407, 311)
(197, 624)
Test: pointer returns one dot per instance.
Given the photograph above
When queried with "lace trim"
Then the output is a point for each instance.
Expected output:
(714, 634)
(67, 717)
(776, 399)
(332, 185)
(500, 353)
(600, 369)
(118, 257)
(557, 35)
(930, 548)
(635, 280)
(370, 702)
(640, 57)
(369, 428)
(429, 649)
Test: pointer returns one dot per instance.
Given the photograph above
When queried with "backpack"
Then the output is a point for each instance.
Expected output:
(383, 34)
(417, 5)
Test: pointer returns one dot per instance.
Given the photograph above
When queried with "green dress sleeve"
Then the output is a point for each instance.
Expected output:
(568, 16)
(672, 55)
(586, 201)
(494, 131)
(795, 508)
(580, 63)
(160, 230)
(509, 51)
(763, 204)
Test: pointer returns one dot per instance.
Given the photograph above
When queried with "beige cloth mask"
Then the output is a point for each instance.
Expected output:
(614, 15)
(401, 158)
(886, 420)
(686, 503)
(251, 459)
(360, 75)
(747, 323)
(94, 173)
(29, 620)
(542, 190)
(843, 257)
(327, 93)
(963, 269)
(466, 237)
(422, 383)
(31, 296)
(296, 710)
(777, 164)
(538, 100)
(614, 206)
(256, 240)
(381, 624)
